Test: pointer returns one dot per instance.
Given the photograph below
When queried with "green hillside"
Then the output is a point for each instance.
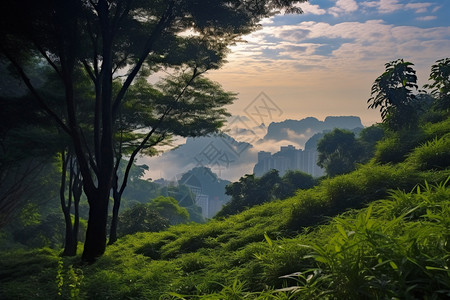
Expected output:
(380, 232)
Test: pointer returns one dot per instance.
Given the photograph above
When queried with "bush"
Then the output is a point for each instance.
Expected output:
(397, 145)
(433, 155)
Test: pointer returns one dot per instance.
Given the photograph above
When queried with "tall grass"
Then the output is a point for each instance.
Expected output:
(396, 248)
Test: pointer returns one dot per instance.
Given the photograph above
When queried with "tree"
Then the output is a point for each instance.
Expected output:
(107, 38)
(141, 218)
(293, 181)
(368, 138)
(250, 191)
(69, 166)
(440, 87)
(392, 93)
(179, 106)
(338, 152)
(27, 147)
(168, 208)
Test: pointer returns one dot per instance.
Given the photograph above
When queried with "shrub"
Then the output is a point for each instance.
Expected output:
(434, 154)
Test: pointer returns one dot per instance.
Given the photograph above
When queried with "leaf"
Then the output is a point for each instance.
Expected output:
(269, 241)
(436, 269)
(341, 230)
(369, 212)
(393, 265)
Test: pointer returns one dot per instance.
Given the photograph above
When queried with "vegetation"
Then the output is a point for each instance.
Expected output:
(380, 231)
(377, 227)
(393, 93)
(114, 44)
(250, 190)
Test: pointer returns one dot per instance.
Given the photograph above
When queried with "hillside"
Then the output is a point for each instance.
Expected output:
(379, 232)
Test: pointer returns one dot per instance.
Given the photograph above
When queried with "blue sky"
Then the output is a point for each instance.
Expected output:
(324, 61)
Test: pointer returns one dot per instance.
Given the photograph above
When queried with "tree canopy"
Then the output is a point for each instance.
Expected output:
(392, 93)
(118, 39)
(338, 152)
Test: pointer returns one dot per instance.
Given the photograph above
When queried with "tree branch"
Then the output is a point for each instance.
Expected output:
(34, 92)
(165, 19)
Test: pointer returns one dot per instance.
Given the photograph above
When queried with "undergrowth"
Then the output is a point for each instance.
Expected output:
(335, 241)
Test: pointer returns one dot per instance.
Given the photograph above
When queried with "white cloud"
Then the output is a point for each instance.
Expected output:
(390, 6)
(426, 18)
(419, 7)
(343, 7)
(436, 8)
(384, 6)
(313, 9)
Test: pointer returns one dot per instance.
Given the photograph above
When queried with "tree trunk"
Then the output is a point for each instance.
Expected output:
(70, 240)
(95, 243)
(77, 191)
(115, 218)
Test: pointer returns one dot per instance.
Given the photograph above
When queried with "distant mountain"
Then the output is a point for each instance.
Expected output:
(234, 154)
(225, 156)
(299, 131)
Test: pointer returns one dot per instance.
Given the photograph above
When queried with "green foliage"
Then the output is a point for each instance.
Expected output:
(434, 154)
(339, 152)
(396, 146)
(141, 218)
(68, 281)
(167, 207)
(369, 234)
(440, 87)
(384, 252)
(392, 93)
(250, 190)
(368, 139)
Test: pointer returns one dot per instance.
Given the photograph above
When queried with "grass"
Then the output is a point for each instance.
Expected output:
(370, 234)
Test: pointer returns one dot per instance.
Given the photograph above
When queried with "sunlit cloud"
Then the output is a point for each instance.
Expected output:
(313, 9)
(343, 7)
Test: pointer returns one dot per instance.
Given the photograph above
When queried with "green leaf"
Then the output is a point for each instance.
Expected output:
(393, 265)
(341, 230)
(269, 241)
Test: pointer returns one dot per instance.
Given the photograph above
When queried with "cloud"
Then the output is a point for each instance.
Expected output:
(391, 6)
(418, 7)
(313, 9)
(426, 18)
(384, 6)
(356, 46)
(343, 7)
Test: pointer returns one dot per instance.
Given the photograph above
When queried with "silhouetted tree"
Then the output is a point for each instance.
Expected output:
(186, 105)
(106, 37)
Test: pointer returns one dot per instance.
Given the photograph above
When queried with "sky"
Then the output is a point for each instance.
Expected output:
(323, 62)
(319, 63)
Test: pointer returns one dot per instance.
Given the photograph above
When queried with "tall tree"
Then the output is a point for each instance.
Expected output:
(187, 105)
(440, 86)
(392, 93)
(109, 38)
(69, 167)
